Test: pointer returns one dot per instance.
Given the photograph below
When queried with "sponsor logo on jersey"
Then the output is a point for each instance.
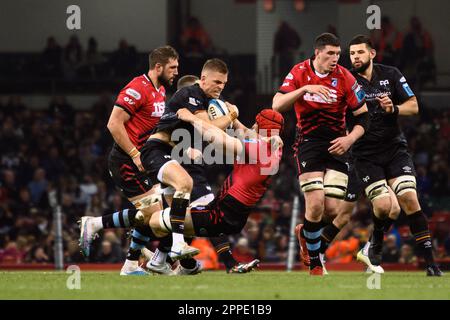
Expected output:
(407, 169)
(133, 93)
(408, 90)
(285, 84)
(193, 101)
(384, 82)
(316, 98)
(128, 100)
(290, 76)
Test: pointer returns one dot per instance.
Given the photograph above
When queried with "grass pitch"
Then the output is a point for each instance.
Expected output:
(222, 286)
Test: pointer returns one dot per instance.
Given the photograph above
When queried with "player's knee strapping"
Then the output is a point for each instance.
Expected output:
(377, 190)
(335, 184)
(164, 220)
(311, 184)
(404, 184)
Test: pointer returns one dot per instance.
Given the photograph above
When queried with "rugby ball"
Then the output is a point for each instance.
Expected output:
(216, 109)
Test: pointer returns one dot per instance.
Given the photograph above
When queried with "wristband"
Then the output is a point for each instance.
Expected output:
(133, 153)
(395, 110)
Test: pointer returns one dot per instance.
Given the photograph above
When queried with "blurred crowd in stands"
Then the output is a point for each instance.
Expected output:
(60, 148)
(412, 51)
(63, 149)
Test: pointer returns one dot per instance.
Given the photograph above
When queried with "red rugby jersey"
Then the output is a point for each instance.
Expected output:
(145, 104)
(315, 116)
(250, 177)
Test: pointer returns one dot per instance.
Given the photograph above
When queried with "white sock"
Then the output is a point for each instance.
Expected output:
(97, 222)
(159, 258)
(130, 264)
(178, 238)
(366, 248)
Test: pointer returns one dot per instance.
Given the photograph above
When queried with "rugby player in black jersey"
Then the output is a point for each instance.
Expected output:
(381, 156)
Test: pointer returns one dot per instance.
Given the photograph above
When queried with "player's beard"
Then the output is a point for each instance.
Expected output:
(164, 81)
(362, 68)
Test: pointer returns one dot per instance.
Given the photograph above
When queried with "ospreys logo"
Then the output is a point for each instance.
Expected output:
(366, 178)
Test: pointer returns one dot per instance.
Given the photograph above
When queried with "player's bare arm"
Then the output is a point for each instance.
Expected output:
(409, 108)
(210, 132)
(283, 102)
(116, 125)
(342, 144)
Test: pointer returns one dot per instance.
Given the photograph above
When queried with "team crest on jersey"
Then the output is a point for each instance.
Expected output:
(133, 93)
(290, 76)
(334, 82)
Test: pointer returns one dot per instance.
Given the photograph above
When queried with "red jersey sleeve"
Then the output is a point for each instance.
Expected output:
(354, 94)
(130, 98)
(291, 82)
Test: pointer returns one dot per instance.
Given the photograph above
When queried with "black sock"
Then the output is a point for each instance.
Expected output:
(120, 219)
(419, 228)
(328, 234)
(388, 223)
(378, 230)
(165, 243)
(312, 231)
(178, 212)
(189, 263)
(222, 247)
(139, 238)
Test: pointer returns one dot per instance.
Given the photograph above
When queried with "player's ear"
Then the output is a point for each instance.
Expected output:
(373, 53)
(316, 52)
(159, 68)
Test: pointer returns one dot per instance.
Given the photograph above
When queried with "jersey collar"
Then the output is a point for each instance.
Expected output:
(150, 80)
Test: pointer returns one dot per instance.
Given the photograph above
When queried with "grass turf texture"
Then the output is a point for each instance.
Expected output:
(222, 286)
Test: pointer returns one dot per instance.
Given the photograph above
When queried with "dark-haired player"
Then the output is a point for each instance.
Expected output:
(381, 156)
(321, 91)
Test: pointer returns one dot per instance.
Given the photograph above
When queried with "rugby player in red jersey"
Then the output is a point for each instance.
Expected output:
(321, 91)
(137, 110)
(257, 161)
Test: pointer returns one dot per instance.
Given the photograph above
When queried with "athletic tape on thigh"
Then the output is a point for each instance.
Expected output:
(147, 201)
(377, 190)
(164, 220)
(335, 184)
(203, 200)
(404, 184)
(312, 184)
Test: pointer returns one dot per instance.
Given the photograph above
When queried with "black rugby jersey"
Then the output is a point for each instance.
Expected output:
(384, 131)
